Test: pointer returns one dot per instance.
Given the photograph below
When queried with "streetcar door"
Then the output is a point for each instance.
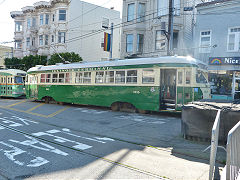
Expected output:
(168, 89)
(33, 93)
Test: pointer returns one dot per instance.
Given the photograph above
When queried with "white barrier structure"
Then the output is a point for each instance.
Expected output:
(214, 145)
(233, 153)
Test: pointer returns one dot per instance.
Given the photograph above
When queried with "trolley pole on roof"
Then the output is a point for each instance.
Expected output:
(111, 43)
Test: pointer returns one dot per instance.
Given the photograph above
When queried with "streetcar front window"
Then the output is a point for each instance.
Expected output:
(200, 77)
(18, 79)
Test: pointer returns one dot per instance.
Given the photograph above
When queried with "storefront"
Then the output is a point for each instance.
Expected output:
(224, 77)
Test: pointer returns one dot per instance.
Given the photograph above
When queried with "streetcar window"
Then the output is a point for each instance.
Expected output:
(200, 78)
(8, 80)
(68, 78)
(79, 78)
(87, 77)
(43, 80)
(99, 77)
(148, 76)
(18, 79)
(54, 78)
(132, 76)
(188, 77)
(61, 78)
(48, 78)
(110, 77)
(180, 77)
(120, 77)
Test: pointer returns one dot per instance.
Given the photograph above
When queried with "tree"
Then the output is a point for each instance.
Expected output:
(64, 58)
(13, 63)
(25, 63)
(31, 61)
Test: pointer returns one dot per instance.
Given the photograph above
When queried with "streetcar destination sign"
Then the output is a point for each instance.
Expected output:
(224, 61)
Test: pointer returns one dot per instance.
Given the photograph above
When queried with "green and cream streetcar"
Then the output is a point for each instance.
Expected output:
(145, 84)
(12, 82)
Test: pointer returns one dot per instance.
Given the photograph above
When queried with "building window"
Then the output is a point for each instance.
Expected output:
(41, 40)
(177, 4)
(62, 15)
(47, 19)
(141, 12)
(46, 39)
(61, 37)
(105, 23)
(28, 23)
(18, 26)
(28, 42)
(233, 39)
(140, 39)
(205, 42)
(129, 47)
(163, 7)
(18, 44)
(52, 38)
(160, 42)
(53, 17)
(33, 22)
(41, 19)
(131, 9)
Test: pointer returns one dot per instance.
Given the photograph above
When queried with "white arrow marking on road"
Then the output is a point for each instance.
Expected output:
(14, 152)
(32, 143)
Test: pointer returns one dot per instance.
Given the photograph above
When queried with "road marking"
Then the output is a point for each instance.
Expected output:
(35, 114)
(16, 103)
(56, 113)
(29, 110)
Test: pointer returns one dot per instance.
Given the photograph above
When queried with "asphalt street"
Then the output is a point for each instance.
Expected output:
(40, 141)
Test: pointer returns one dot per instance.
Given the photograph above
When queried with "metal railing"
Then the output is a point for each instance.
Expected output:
(214, 145)
(233, 153)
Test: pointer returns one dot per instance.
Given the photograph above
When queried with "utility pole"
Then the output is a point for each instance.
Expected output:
(111, 43)
(170, 27)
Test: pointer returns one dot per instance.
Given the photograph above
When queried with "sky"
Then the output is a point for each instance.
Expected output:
(7, 23)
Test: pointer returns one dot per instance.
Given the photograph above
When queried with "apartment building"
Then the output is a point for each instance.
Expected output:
(217, 43)
(5, 52)
(145, 28)
(65, 26)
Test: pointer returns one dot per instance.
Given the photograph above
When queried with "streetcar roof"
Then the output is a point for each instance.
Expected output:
(13, 72)
(125, 62)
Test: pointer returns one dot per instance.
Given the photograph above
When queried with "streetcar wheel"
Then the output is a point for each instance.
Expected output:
(127, 107)
(46, 99)
(115, 107)
(143, 111)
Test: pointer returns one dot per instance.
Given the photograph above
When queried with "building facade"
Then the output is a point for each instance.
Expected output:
(145, 28)
(64, 26)
(217, 42)
(5, 52)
